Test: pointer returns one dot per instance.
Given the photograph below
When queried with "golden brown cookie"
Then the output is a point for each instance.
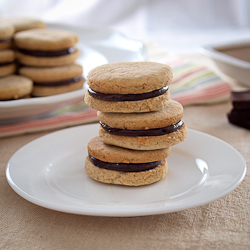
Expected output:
(7, 65)
(7, 31)
(110, 164)
(46, 47)
(129, 77)
(129, 87)
(54, 80)
(109, 153)
(15, 87)
(25, 23)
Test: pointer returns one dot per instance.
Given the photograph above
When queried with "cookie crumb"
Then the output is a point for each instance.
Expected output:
(143, 140)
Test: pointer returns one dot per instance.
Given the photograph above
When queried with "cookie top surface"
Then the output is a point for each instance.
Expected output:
(45, 39)
(7, 55)
(6, 29)
(169, 115)
(109, 153)
(14, 86)
(129, 77)
(25, 23)
(43, 74)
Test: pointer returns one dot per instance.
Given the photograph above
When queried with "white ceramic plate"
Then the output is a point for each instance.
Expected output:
(233, 63)
(97, 46)
(50, 172)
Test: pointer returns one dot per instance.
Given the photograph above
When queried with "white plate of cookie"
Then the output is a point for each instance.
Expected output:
(201, 169)
(94, 47)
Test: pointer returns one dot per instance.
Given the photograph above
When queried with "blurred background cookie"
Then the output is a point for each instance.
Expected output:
(25, 23)
(15, 87)
(44, 47)
(6, 34)
(54, 80)
(7, 64)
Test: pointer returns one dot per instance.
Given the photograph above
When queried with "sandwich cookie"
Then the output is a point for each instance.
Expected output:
(144, 131)
(54, 80)
(128, 87)
(7, 31)
(15, 87)
(7, 65)
(25, 23)
(44, 47)
(115, 165)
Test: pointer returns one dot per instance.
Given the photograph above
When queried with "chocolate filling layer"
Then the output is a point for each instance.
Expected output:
(127, 97)
(5, 63)
(58, 83)
(8, 39)
(124, 167)
(148, 132)
(52, 53)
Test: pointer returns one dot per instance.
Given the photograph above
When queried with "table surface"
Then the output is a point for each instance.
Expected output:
(222, 224)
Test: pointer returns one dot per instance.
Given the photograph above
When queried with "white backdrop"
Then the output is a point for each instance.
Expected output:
(174, 24)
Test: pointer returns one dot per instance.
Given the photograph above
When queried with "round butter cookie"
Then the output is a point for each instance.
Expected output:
(46, 47)
(25, 23)
(128, 87)
(15, 87)
(144, 131)
(7, 65)
(7, 31)
(54, 80)
(114, 165)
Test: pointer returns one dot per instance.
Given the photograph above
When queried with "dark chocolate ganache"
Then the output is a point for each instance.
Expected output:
(52, 53)
(8, 39)
(147, 132)
(124, 167)
(58, 83)
(127, 97)
(5, 63)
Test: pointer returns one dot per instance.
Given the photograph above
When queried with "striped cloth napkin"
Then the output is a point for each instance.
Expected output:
(192, 84)
(61, 118)
(196, 84)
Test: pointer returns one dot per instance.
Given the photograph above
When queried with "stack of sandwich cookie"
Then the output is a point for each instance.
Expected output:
(7, 55)
(48, 58)
(137, 118)
(11, 86)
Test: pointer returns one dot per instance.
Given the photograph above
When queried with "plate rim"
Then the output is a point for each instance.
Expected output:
(91, 211)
